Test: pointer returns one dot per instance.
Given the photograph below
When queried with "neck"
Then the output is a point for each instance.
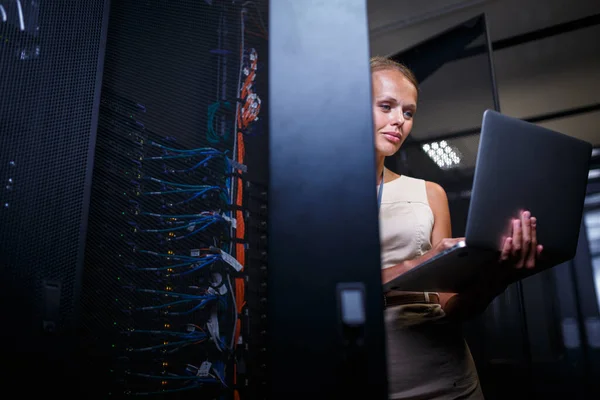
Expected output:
(379, 160)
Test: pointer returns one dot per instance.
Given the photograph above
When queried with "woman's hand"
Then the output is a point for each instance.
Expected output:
(440, 247)
(389, 274)
(521, 250)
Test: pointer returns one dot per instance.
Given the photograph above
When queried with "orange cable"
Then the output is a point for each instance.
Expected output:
(245, 116)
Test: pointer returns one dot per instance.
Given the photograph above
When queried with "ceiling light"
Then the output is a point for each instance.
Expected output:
(443, 154)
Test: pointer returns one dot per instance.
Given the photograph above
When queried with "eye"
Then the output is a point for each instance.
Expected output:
(408, 114)
(385, 107)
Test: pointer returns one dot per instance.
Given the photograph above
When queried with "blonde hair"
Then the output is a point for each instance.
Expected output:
(379, 63)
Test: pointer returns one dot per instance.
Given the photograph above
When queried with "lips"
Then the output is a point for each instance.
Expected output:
(393, 137)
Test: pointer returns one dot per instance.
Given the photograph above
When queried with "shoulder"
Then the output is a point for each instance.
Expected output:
(435, 191)
(436, 195)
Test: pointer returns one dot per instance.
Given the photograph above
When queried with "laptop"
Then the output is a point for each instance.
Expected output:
(520, 166)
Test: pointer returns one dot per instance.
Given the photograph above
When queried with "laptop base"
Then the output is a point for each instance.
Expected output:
(449, 272)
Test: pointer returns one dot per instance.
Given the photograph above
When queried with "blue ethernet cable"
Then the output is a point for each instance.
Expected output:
(203, 302)
(169, 157)
(176, 184)
(201, 149)
(203, 163)
(176, 256)
(195, 231)
(198, 191)
(166, 305)
(205, 221)
(182, 389)
(163, 268)
(219, 368)
(172, 294)
(196, 268)
(176, 377)
(196, 308)
(163, 346)
(200, 262)
(194, 335)
(201, 192)
(208, 154)
(181, 216)
(188, 155)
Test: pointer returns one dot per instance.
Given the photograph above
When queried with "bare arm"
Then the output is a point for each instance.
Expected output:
(438, 201)
(456, 306)
(442, 226)
(440, 235)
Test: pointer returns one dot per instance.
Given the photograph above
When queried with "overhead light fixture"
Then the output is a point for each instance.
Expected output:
(443, 154)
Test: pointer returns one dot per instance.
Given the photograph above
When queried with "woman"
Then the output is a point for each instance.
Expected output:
(427, 355)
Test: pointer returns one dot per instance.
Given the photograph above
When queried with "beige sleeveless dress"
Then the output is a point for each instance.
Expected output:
(430, 360)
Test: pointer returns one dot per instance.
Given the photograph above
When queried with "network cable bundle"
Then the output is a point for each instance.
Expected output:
(176, 253)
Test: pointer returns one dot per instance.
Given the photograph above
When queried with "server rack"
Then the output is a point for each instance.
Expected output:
(171, 297)
(51, 57)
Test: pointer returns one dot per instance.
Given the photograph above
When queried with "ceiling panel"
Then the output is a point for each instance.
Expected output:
(454, 98)
(548, 75)
(397, 25)
(386, 15)
(585, 127)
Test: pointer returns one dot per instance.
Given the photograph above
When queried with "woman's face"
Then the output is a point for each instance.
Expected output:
(394, 106)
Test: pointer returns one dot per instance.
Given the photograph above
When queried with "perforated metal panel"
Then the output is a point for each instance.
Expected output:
(172, 78)
(49, 67)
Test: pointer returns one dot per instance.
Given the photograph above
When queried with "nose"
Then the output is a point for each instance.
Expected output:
(397, 118)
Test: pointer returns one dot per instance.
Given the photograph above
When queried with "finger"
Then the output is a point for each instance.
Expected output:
(460, 239)
(506, 249)
(532, 252)
(447, 243)
(517, 238)
(525, 238)
(540, 248)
